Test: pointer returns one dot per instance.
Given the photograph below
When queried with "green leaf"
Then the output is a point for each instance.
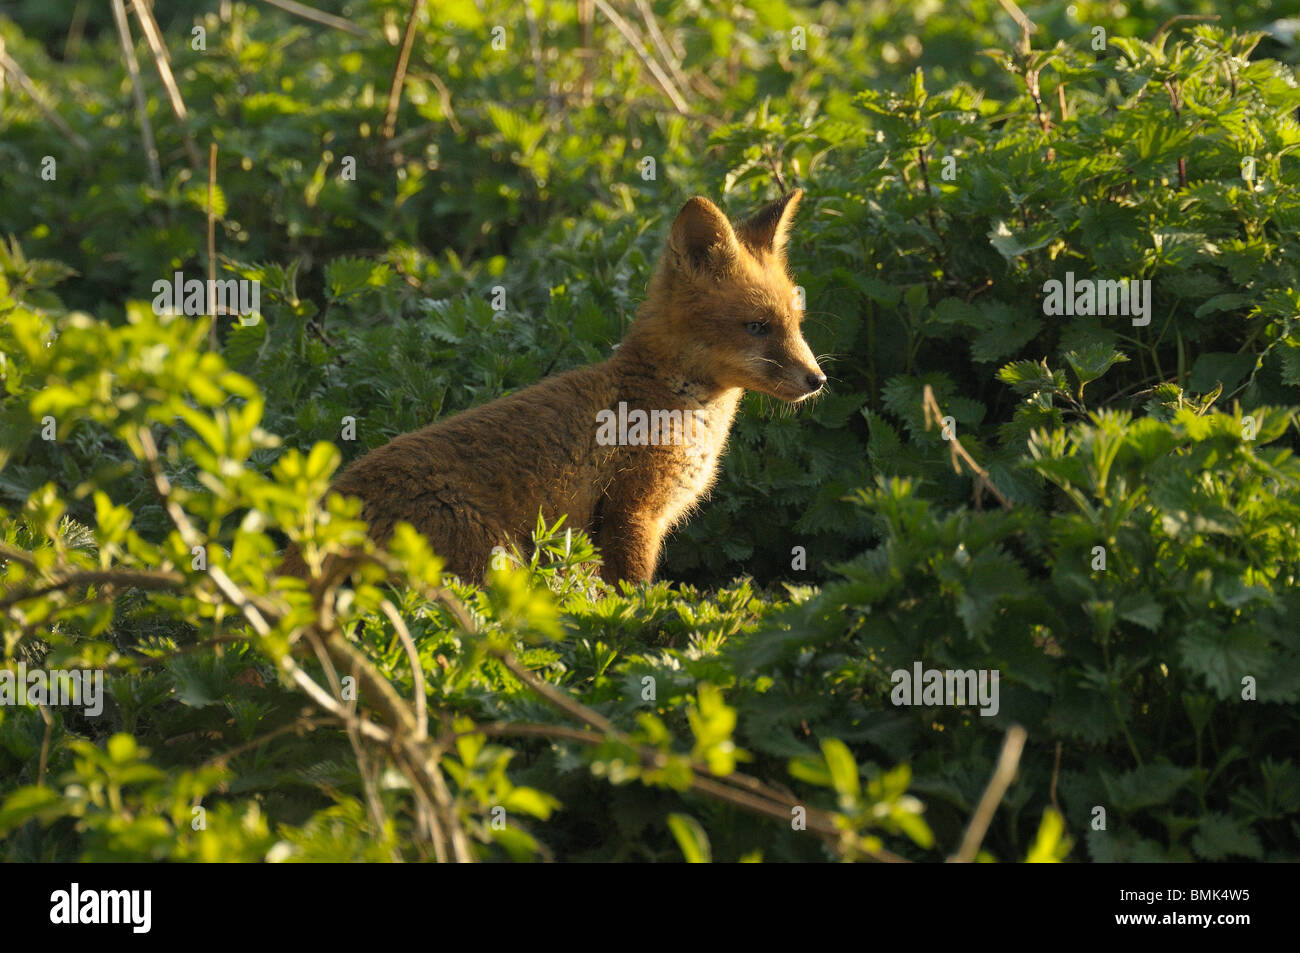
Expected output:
(1091, 362)
(1147, 786)
(842, 768)
(531, 802)
(812, 770)
(1003, 331)
(1011, 245)
(691, 838)
(1223, 656)
(1223, 302)
(122, 748)
(349, 276)
(1027, 376)
(1050, 845)
(1220, 836)
(1216, 368)
(26, 803)
(197, 196)
(1142, 609)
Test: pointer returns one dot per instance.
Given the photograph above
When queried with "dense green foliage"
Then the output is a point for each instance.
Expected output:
(1108, 516)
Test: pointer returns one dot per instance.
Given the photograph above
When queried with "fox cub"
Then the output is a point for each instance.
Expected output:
(626, 448)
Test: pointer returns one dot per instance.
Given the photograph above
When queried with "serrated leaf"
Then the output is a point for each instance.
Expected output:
(1092, 361)
(1146, 786)
(1224, 656)
(1004, 330)
(1220, 836)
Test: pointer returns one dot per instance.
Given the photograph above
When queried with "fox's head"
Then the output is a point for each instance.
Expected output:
(721, 296)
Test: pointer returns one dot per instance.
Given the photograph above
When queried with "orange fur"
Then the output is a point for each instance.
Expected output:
(478, 479)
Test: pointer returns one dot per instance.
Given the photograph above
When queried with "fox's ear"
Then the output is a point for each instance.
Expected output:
(769, 230)
(702, 238)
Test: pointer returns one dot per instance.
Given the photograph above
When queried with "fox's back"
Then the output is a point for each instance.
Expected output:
(494, 466)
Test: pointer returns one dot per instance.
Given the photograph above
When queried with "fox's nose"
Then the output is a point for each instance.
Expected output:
(815, 381)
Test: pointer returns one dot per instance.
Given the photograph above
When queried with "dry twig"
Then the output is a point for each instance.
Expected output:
(1003, 775)
(934, 415)
(152, 36)
(638, 46)
(137, 92)
(399, 73)
(12, 69)
(316, 16)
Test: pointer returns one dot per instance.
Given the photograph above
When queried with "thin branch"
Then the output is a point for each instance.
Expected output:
(377, 816)
(45, 746)
(323, 699)
(18, 555)
(775, 167)
(1003, 775)
(191, 536)
(133, 69)
(929, 196)
(661, 44)
(298, 725)
(417, 673)
(638, 46)
(933, 414)
(76, 31)
(1182, 16)
(8, 66)
(573, 709)
(212, 247)
(418, 762)
(535, 46)
(444, 99)
(316, 16)
(1026, 25)
(586, 47)
(152, 36)
(399, 73)
(75, 578)
(819, 822)
(426, 815)
(1056, 773)
(137, 92)
(506, 729)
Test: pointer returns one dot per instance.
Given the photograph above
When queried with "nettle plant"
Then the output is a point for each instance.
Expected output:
(935, 226)
(1134, 590)
(1141, 628)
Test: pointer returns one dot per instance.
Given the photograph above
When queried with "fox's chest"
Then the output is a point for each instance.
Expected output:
(695, 462)
(662, 462)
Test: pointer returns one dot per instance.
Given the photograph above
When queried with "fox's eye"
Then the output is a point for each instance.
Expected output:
(757, 328)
